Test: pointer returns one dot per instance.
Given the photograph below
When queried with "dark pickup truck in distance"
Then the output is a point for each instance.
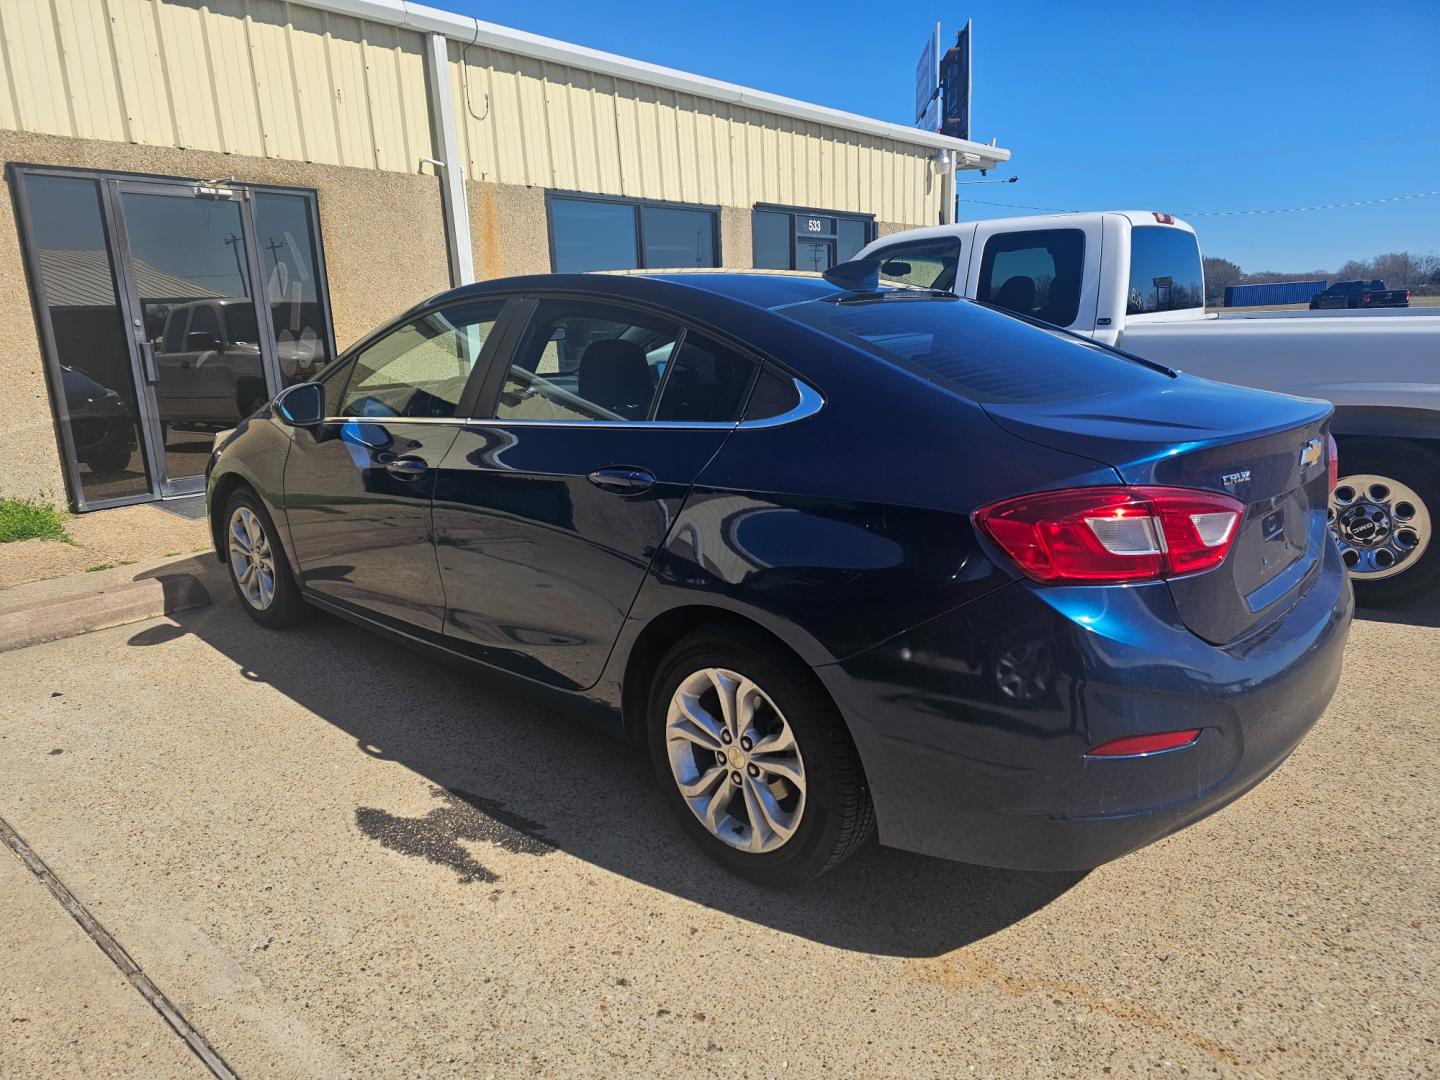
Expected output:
(1360, 294)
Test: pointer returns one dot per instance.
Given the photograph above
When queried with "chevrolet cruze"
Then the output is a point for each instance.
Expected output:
(843, 556)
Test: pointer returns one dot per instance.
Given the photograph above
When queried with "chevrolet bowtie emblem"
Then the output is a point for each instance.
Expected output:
(1311, 453)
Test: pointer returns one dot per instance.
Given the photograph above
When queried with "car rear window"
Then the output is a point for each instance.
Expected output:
(987, 357)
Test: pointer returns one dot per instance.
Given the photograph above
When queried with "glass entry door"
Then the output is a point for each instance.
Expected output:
(203, 344)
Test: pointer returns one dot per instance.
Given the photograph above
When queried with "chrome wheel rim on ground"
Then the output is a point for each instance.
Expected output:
(735, 760)
(252, 560)
(1381, 525)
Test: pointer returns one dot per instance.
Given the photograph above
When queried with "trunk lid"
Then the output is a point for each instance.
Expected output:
(1267, 450)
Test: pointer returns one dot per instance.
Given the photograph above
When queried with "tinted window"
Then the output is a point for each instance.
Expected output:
(1035, 273)
(603, 234)
(204, 329)
(285, 224)
(175, 329)
(420, 369)
(853, 235)
(678, 238)
(931, 264)
(70, 258)
(774, 394)
(586, 361)
(813, 240)
(770, 238)
(1165, 270)
(591, 235)
(707, 382)
(984, 355)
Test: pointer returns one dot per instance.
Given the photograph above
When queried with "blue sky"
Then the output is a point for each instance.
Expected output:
(1216, 106)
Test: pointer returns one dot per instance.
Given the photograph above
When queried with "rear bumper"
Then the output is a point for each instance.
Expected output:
(973, 727)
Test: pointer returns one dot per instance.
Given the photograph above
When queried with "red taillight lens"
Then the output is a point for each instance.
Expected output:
(1332, 460)
(1102, 535)
(1144, 744)
(1366, 298)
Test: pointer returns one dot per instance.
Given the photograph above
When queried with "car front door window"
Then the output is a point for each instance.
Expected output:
(421, 369)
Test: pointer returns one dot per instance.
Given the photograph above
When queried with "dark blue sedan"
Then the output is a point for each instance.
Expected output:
(842, 556)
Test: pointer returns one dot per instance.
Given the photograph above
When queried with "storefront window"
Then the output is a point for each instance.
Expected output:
(71, 260)
(620, 234)
(291, 275)
(788, 239)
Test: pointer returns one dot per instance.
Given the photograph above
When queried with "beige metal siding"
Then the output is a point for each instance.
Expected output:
(522, 121)
(261, 78)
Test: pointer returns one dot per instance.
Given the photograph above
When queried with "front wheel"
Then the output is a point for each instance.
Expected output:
(1383, 513)
(257, 564)
(755, 760)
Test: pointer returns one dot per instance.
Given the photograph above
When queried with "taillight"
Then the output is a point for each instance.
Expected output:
(1332, 460)
(1100, 535)
(1366, 298)
(1164, 219)
(1134, 745)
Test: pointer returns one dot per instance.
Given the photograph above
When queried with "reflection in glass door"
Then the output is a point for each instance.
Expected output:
(206, 357)
(145, 290)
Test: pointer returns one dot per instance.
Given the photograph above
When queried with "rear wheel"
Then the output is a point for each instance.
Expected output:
(1383, 513)
(258, 568)
(755, 760)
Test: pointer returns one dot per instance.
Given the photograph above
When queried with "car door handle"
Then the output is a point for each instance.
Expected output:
(622, 479)
(407, 468)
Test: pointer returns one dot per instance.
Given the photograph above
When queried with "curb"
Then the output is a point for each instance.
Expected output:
(69, 616)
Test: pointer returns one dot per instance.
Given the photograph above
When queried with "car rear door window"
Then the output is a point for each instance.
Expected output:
(587, 361)
(706, 384)
(931, 264)
(1036, 273)
(420, 369)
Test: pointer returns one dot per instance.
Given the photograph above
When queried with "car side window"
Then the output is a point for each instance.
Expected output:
(584, 360)
(1037, 273)
(706, 383)
(420, 369)
(931, 264)
(774, 394)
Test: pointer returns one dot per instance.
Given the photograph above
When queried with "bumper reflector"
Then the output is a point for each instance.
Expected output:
(1133, 745)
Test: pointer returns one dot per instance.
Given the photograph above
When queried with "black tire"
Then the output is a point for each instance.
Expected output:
(110, 459)
(837, 817)
(1418, 469)
(286, 606)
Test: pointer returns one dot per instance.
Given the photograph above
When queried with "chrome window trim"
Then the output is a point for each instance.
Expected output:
(810, 403)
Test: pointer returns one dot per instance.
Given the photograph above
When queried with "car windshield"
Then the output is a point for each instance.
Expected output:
(988, 357)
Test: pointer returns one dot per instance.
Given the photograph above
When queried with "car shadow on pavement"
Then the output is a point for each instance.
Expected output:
(519, 770)
(1422, 612)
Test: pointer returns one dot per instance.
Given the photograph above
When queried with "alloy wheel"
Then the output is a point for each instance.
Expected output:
(252, 559)
(1381, 525)
(735, 760)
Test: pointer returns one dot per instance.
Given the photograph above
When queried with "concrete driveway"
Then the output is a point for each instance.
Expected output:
(338, 858)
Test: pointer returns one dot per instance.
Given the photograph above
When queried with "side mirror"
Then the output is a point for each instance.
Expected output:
(302, 405)
(200, 340)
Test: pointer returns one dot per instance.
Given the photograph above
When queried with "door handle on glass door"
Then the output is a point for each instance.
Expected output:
(622, 479)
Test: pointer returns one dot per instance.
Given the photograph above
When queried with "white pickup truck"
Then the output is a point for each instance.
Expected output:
(1134, 280)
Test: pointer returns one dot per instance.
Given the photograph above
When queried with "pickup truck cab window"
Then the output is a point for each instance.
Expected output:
(1165, 272)
(1037, 273)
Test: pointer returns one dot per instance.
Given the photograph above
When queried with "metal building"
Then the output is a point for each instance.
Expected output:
(210, 197)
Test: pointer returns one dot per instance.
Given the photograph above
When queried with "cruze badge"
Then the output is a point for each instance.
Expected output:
(1311, 453)
(1230, 479)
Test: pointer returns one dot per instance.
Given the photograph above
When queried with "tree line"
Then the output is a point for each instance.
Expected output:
(1398, 269)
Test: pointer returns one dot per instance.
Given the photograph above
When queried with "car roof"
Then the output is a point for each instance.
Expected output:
(765, 289)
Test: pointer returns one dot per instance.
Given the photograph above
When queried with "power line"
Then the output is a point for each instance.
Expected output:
(1128, 162)
(1233, 213)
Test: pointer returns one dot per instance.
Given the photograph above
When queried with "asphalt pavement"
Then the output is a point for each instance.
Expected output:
(339, 858)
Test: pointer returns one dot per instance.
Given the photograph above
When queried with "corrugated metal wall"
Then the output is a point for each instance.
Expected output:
(528, 122)
(256, 77)
(267, 78)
